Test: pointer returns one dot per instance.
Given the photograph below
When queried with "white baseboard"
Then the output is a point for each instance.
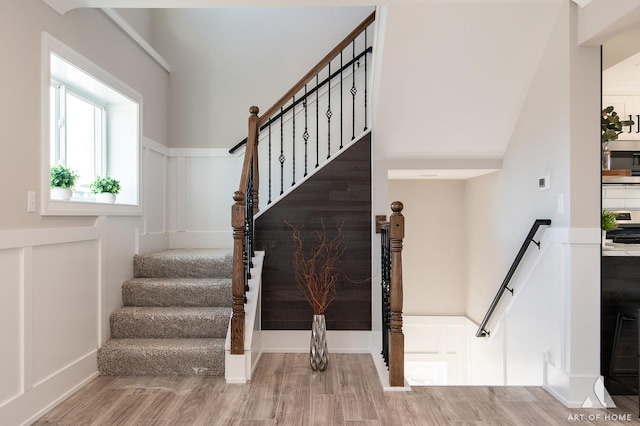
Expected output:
(35, 402)
(576, 391)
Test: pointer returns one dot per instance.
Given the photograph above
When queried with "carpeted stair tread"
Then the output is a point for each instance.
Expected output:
(155, 357)
(177, 292)
(186, 263)
(169, 322)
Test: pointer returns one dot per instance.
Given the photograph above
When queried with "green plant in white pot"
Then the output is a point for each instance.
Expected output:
(63, 179)
(609, 223)
(612, 126)
(105, 189)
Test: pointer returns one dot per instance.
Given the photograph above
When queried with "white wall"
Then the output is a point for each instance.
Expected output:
(434, 248)
(561, 301)
(225, 60)
(62, 274)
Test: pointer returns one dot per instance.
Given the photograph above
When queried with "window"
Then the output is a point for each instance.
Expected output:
(92, 126)
(77, 134)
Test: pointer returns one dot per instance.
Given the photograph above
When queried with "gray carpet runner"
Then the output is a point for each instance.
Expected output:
(175, 316)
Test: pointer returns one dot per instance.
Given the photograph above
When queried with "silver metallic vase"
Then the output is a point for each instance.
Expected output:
(318, 354)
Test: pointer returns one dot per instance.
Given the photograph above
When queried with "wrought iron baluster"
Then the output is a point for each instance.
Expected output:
(353, 90)
(305, 135)
(386, 290)
(293, 143)
(329, 114)
(341, 102)
(269, 201)
(365, 81)
(317, 126)
(282, 158)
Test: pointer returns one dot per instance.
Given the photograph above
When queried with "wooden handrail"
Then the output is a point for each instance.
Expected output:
(396, 337)
(317, 68)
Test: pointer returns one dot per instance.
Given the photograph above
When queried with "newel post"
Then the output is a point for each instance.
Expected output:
(396, 338)
(237, 278)
(252, 139)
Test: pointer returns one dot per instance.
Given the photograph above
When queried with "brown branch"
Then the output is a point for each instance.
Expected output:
(316, 275)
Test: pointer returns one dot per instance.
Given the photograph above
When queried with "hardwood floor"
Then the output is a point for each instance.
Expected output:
(285, 391)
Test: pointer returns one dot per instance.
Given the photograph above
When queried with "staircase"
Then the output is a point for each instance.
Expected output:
(175, 316)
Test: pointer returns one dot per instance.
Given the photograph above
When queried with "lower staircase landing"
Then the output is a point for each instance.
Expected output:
(175, 316)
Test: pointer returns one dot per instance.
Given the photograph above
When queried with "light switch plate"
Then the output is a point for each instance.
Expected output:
(544, 183)
(31, 202)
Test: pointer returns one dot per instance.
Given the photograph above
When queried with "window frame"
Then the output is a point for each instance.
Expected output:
(85, 206)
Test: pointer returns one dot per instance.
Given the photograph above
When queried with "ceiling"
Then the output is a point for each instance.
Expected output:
(449, 66)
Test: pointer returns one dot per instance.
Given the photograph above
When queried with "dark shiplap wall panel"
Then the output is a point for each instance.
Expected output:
(341, 191)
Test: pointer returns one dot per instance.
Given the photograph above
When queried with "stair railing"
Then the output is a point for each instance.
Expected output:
(325, 110)
(482, 331)
(297, 145)
(392, 234)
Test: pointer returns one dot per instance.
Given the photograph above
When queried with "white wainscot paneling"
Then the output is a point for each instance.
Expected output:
(65, 305)
(436, 345)
(10, 324)
(154, 191)
(210, 184)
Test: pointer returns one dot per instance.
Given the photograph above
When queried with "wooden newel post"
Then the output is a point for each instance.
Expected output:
(396, 337)
(254, 122)
(237, 279)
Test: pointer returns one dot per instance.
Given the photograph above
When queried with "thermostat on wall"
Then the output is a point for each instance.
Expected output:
(544, 183)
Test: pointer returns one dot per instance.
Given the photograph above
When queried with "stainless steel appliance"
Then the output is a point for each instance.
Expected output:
(628, 231)
(625, 155)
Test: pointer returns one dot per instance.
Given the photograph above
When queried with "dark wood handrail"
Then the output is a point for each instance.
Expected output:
(317, 68)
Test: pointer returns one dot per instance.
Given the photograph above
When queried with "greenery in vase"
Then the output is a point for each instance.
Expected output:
(63, 177)
(105, 184)
(609, 222)
(612, 126)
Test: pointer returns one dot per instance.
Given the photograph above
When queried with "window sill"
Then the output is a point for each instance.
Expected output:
(88, 208)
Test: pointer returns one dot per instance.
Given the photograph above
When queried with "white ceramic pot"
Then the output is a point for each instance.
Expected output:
(59, 193)
(106, 197)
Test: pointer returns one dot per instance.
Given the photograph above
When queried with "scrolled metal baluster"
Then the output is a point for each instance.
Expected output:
(341, 102)
(293, 155)
(329, 114)
(354, 90)
(317, 126)
(365, 81)
(305, 135)
(282, 158)
(269, 130)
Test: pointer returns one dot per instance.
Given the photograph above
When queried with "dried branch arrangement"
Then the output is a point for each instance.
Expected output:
(316, 273)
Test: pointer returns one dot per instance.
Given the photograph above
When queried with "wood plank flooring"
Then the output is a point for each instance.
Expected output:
(285, 391)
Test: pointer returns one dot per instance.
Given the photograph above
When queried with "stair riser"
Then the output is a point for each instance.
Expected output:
(147, 292)
(179, 265)
(168, 327)
(141, 362)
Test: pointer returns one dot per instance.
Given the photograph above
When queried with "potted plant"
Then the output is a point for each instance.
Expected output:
(609, 223)
(611, 127)
(105, 189)
(63, 180)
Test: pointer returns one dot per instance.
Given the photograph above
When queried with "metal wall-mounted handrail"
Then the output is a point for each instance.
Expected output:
(482, 332)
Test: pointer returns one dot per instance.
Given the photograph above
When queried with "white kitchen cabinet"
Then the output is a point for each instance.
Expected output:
(628, 108)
